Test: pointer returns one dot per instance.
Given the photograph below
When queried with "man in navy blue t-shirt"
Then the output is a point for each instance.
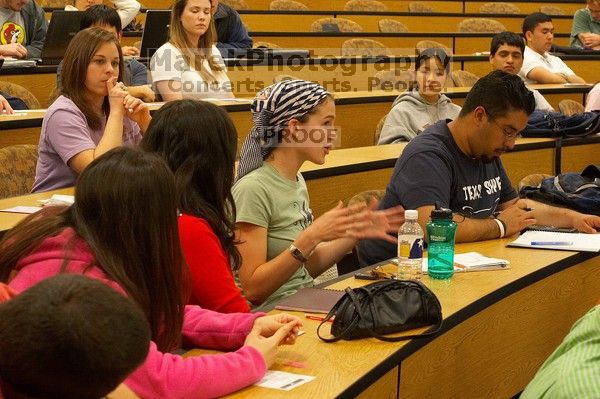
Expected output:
(456, 164)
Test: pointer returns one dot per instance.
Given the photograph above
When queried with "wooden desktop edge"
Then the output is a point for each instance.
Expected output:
(395, 359)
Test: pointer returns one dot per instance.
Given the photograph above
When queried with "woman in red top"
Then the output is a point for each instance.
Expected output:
(199, 143)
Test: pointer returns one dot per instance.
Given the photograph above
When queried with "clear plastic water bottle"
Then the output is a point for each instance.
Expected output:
(441, 231)
(410, 247)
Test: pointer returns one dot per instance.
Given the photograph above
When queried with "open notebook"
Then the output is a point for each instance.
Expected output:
(554, 240)
(472, 262)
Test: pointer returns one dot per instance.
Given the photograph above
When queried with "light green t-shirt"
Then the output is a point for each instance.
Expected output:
(573, 370)
(583, 22)
(265, 198)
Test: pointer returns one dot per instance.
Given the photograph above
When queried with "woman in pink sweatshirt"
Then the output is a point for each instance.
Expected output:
(122, 230)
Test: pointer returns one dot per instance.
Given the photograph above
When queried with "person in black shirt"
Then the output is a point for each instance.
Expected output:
(457, 165)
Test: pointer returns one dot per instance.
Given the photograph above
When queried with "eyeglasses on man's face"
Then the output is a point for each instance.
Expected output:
(510, 132)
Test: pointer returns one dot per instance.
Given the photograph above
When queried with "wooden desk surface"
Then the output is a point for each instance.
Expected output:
(569, 7)
(9, 220)
(330, 44)
(499, 326)
(335, 73)
(272, 21)
(357, 114)
(347, 172)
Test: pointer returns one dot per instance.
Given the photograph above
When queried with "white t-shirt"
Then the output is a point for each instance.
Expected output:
(540, 102)
(550, 62)
(168, 64)
(12, 28)
(127, 10)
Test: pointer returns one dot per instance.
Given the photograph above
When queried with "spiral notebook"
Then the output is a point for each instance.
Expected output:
(310, 300)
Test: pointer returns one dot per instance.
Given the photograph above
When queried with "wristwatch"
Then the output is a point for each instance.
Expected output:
(296, 253)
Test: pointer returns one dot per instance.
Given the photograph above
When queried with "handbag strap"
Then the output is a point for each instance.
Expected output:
(332, 312)
(359, 311)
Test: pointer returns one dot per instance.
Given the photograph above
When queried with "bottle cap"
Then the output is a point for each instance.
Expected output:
(411, 214)
(442, 213)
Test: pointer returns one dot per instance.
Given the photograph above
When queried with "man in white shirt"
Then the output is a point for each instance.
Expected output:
(127, 9)
(506, 54)
(539, 66)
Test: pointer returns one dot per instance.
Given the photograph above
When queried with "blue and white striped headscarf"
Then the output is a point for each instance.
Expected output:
(272, 109)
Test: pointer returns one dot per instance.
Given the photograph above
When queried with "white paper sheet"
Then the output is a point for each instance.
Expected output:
(283, 380)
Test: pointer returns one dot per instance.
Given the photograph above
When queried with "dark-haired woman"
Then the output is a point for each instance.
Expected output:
(93, 114)
(122, 230)
(199, 142)
(424, 105)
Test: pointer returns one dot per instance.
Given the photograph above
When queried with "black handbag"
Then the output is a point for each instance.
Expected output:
(384, 307)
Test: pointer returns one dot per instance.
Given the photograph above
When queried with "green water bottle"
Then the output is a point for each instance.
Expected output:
(441, 231)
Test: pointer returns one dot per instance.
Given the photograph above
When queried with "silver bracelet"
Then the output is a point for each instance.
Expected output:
(296, 253)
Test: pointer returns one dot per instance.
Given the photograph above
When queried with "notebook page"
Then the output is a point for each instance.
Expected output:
(563, 241)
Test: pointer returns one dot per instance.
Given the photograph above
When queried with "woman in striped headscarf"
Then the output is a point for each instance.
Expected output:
(282, 247)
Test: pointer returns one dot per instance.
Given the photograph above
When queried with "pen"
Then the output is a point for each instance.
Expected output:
(292, 383)
(559, 243)
(318, 318)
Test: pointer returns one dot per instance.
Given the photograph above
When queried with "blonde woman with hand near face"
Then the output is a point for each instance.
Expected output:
(93, 114)
(190, 65)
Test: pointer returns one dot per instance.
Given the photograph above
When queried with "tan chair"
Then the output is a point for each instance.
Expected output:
(480, 25)
(365, 5)
(364, 47)
(16, 90)
(236, 4)
(366, 196)
(533, 180)
(425, 44)
(344, 25)
(265, 45)
(391, 26)
(499, 8)
(463, 78)
(17, 169)
(283, 76)
(54, 94)
(55, 3)
(417, 6)
(398, 79)
(378, 130)
(287, 5)
(552, 10)
(570, 107)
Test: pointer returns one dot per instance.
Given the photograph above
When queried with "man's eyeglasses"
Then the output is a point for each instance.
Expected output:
(509, 132)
